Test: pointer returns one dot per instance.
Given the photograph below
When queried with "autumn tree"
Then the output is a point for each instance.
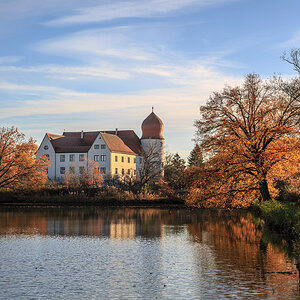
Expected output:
(90, 178)
(245, 131)
(19, 169)
(195, 158)
(174, 170)
(293, 58)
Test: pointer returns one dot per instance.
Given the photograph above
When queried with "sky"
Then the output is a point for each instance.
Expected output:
(99, 65)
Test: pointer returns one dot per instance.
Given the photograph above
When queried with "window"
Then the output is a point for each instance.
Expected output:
(62, 170)
(103, 157)
(122, 171)
(128, 160)
(116, 170)
(103, 146)
(99, 137)
(96, 147)
(81, 170)
(96, 157)
(134, 160)
(122, 159)
(46, 147)
(72, 170)
(128, 171)
(81, 157)
(72, 157)
(141, 160)
(62, 157)
(103, 170)
(116, 158)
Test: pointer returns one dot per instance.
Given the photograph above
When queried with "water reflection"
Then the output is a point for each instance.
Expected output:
(167, 253)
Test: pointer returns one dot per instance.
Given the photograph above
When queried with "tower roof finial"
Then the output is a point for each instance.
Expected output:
(152, 108)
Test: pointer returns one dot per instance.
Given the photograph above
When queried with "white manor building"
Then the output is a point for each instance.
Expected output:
(118, 152)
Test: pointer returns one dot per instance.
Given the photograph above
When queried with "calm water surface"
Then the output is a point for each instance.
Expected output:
(99, 253)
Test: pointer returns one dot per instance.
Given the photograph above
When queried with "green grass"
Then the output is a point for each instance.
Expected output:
(283, 217)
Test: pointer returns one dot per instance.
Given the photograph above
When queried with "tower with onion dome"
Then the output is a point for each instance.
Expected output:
(152, 141)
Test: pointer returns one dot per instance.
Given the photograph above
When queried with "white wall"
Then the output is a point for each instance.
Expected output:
(50, 151)
(92, 152)
(67, 163)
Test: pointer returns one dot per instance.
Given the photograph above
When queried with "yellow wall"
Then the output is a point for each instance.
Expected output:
(122, 165)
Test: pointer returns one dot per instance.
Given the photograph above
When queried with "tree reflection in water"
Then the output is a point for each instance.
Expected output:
(228, 246)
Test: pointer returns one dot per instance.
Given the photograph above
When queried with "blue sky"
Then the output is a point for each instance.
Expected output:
(98, 65)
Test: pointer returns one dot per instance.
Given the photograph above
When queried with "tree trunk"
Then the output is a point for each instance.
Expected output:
(264, 190)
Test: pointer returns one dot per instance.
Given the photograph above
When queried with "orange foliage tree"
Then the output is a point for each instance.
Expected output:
(245, 132)
(19, 169)
(91, 177)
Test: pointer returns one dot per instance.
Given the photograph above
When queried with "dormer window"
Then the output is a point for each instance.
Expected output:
(46, 147)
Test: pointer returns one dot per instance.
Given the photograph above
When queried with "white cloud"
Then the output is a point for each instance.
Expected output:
(32, 89)
(294, 41)
(9, 59)
(127, 9)
(68, 72)
(112, 42)
(185, 100)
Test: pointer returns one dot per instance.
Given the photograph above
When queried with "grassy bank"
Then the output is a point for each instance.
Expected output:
(104, 197)
(282, 217)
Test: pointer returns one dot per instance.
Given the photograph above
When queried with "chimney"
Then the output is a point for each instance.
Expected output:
(116, 131)
(81, 135)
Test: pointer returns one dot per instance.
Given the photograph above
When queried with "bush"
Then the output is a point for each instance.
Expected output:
(282, 216)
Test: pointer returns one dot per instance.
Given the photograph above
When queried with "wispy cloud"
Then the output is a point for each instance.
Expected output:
(61, 101)
(73, 73)
(112, 42)
(294, 41)
(129, 9)
(23, 88)
(9, 59)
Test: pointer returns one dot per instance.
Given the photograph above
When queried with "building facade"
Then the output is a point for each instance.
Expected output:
(116, 153)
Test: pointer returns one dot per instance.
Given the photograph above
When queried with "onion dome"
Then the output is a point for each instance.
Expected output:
(152, 127)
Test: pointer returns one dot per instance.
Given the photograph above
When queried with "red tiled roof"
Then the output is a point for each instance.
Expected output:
(72, 142)
(129, 138)
(115, 143)
(126, 141)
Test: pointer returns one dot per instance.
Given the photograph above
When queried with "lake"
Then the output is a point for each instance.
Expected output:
(131, 253)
